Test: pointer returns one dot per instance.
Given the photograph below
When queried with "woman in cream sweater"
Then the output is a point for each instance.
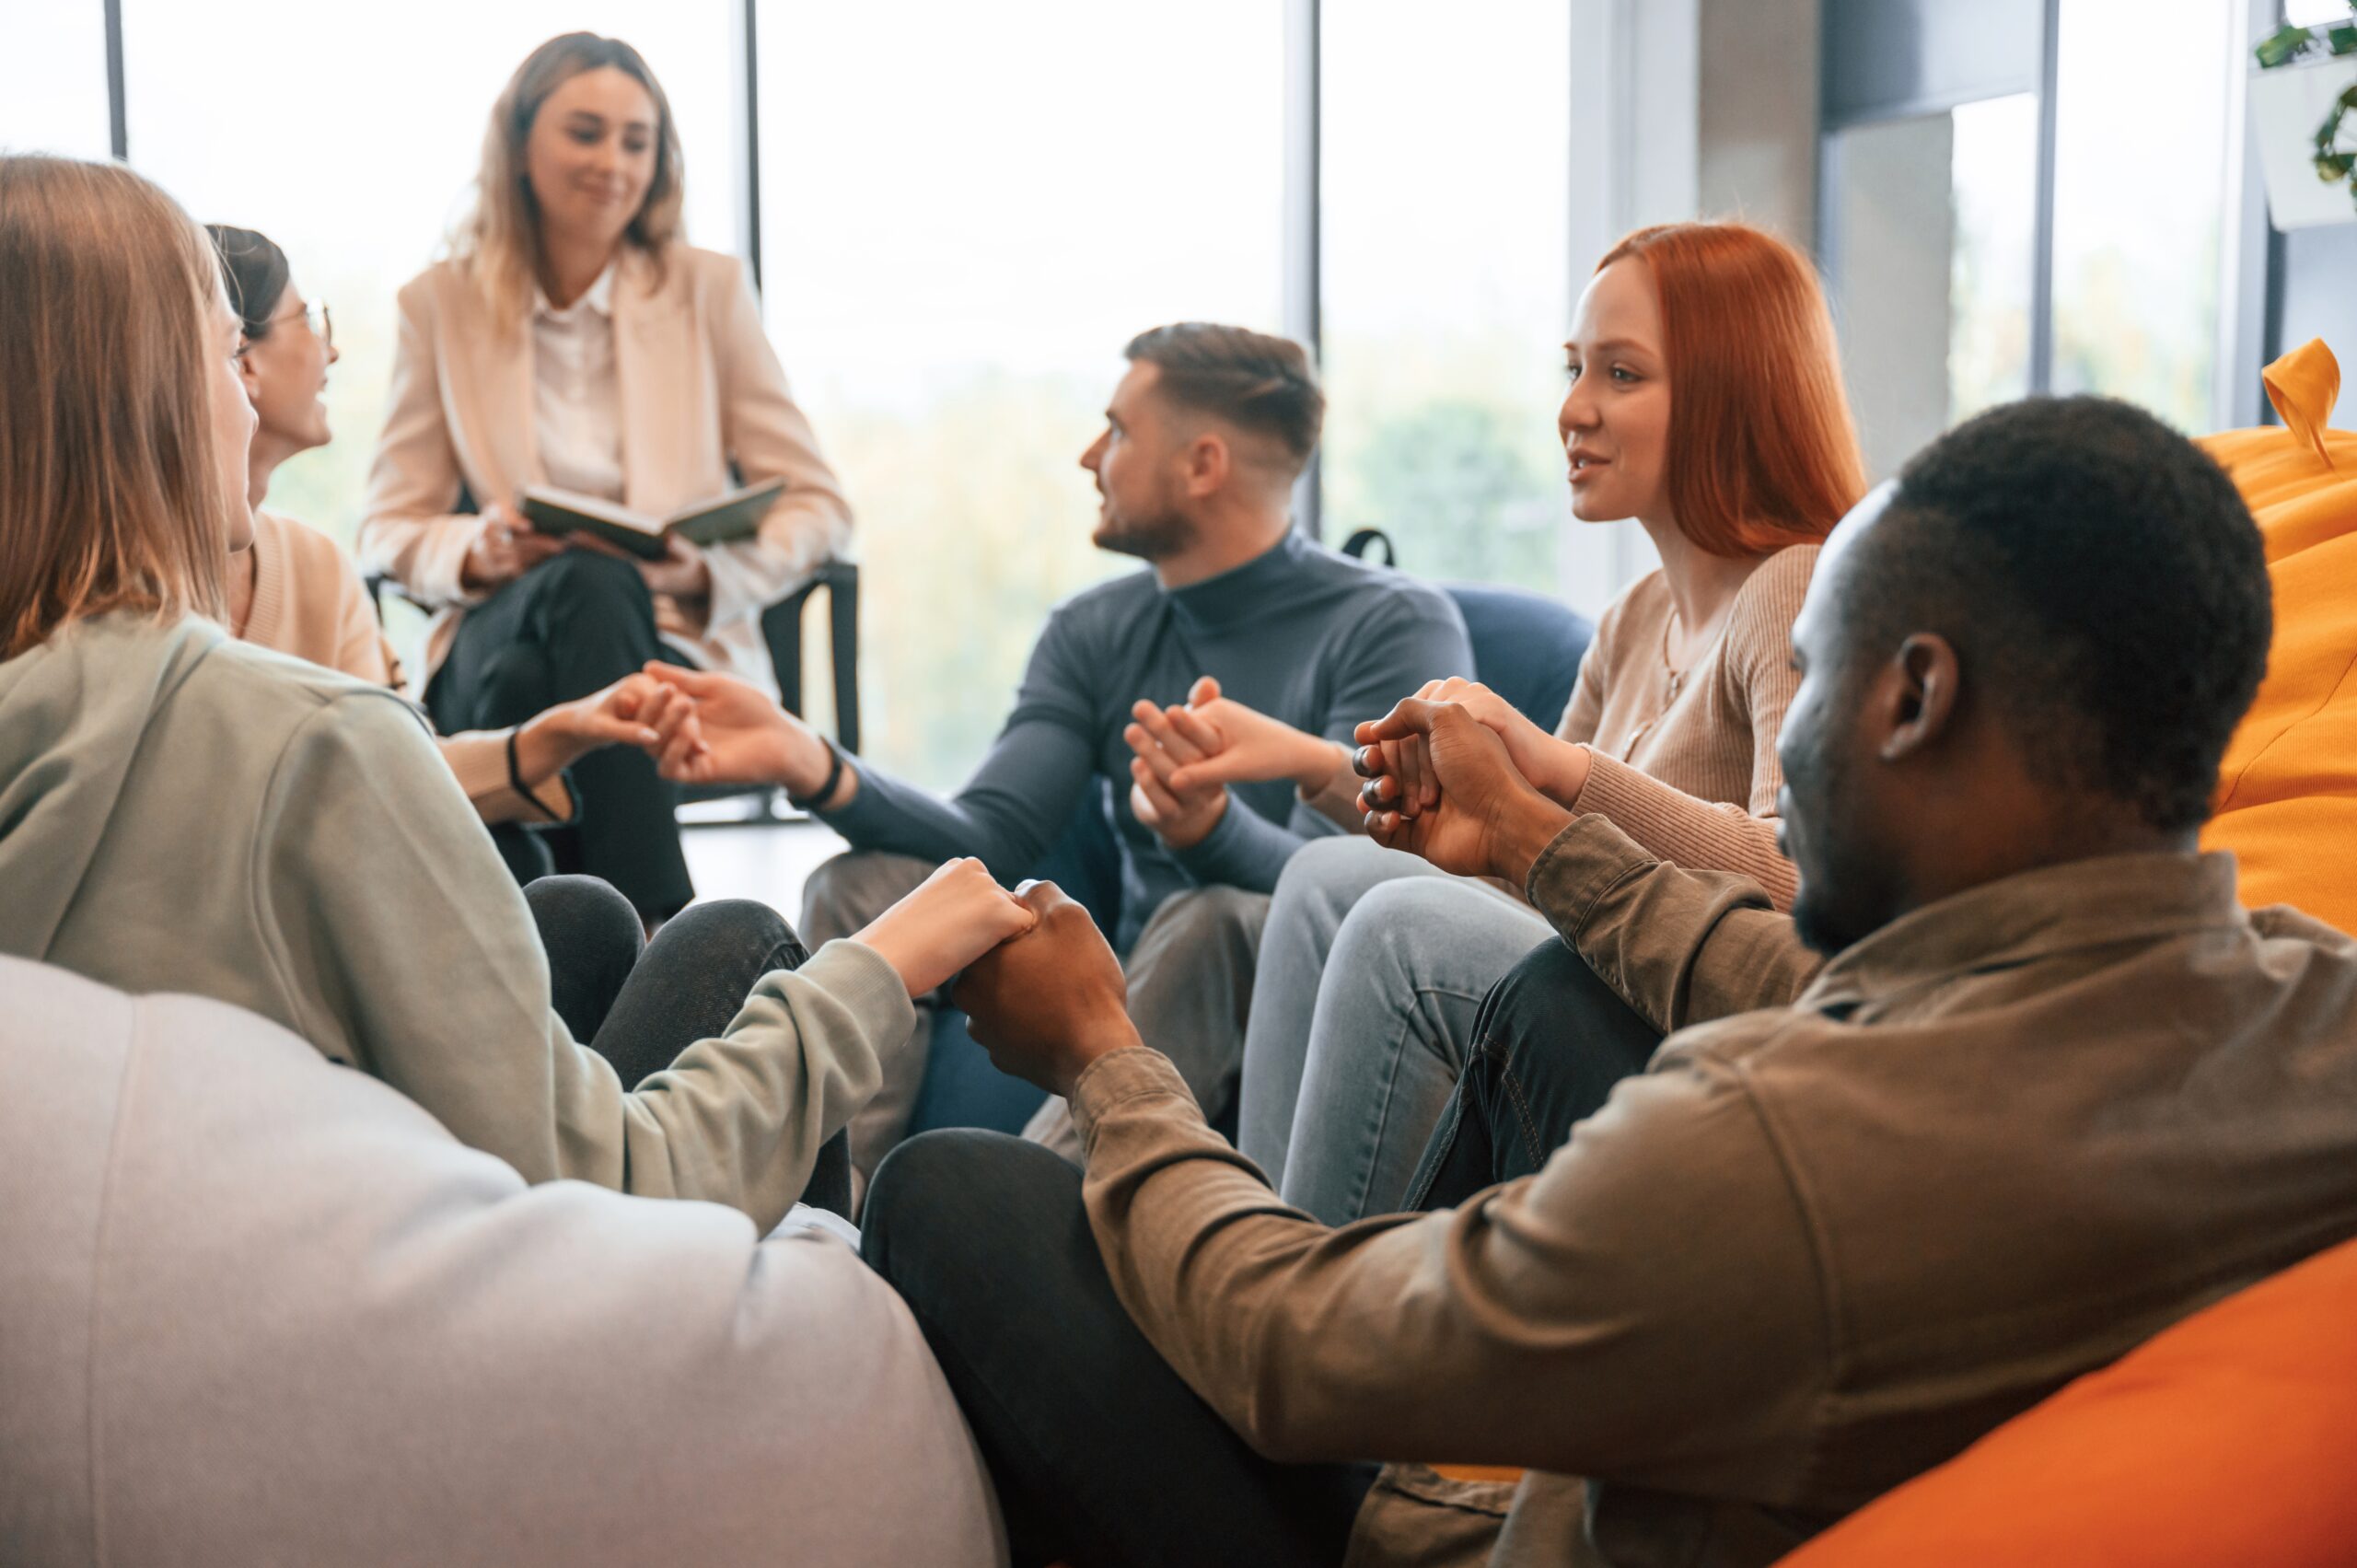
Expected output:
(1705, 401)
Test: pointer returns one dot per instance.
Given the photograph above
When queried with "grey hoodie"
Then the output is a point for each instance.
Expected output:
(182, 812)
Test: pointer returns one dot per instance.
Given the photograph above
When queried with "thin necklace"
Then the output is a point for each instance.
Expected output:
(1676, 676)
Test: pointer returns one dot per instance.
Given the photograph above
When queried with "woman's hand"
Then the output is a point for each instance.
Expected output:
(1181, 817)
(633, 710)
(1242, 745)
(1481, 817)
(506, 547)
(736, 734)
(1557, 769)
(957, 914)
(681, 574)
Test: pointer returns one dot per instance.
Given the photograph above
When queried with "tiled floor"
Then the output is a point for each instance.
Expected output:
(765, 862)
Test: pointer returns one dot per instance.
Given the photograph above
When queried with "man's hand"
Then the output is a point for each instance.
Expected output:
(506, 547)
(1242, 745)
(738, 735)
(1473, 813)
(1183, 819)
(633, 710)
(682, 573)
(955, 915)
(1557, 769)
(1050, 1002)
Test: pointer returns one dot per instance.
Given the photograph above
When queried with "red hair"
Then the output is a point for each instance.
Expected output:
(1763, 453)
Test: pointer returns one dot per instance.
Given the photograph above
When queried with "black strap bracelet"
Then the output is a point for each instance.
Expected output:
(515, 778)
(825, 791)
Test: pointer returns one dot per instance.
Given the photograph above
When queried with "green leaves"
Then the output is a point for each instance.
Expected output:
(2288, 44)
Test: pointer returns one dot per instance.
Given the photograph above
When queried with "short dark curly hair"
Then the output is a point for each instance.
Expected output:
(2101, 580)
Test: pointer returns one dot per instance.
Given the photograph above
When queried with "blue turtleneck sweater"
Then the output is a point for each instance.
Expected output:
(1301, 633)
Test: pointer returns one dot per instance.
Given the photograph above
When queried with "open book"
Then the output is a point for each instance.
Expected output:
(735, 516)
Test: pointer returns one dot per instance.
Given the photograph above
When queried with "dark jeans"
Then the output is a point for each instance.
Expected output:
(1548, 1044)
(572, 625)
(639, 1003)
(1101, 1453)
(1102, 1457)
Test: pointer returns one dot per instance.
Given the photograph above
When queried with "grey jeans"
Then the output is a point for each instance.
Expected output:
(1190, 976)
(1373, 966)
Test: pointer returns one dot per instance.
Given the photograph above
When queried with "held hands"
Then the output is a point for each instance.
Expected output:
(1555, 768)
(506, 548)
(1167, 742)
(633, 710)
(955, 915)
(1242, 745)
(733, 732)
(1051, 1002)
(1442, 785)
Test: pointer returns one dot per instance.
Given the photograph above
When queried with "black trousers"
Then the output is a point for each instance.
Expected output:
(572, 625)
(1101, 1454)
(639, 1003)
(1548, 1044)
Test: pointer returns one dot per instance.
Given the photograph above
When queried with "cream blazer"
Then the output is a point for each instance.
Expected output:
(700, 387)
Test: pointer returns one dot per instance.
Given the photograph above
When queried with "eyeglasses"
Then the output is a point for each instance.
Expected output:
(317, 316)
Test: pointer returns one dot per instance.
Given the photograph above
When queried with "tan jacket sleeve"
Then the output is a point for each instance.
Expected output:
(770, 438)
(1579, 1321)
(1680, 946)
(407, 528)
(374, 864)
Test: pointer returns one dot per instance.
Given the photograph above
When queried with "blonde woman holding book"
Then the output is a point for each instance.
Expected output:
(574, 339)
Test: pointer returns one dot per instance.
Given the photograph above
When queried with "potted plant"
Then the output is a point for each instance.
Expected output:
(2305, 88)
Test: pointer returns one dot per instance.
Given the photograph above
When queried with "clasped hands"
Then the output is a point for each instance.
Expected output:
(1434, 789)
(1444, 783)
(1041, 988)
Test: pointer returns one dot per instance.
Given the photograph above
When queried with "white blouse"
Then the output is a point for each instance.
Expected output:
(576, 397)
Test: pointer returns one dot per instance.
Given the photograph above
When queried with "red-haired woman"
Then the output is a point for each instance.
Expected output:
(1705, 401)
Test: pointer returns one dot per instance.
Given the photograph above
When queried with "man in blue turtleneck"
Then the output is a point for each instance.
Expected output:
(1203, 440)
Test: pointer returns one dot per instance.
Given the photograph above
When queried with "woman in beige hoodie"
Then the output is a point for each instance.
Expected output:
(180, 811)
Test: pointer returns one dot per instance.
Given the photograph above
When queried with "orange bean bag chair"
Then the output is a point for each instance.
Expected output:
(2287, 799)
(2229, 1441)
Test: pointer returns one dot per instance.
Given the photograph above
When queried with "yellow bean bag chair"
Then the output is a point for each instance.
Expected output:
(2287, 797)
(2228, 1441)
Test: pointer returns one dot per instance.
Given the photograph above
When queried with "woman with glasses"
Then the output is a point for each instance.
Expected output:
(295, 590)
(574, 339)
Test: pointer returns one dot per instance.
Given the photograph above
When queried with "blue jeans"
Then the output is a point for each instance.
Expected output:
(1372, 966)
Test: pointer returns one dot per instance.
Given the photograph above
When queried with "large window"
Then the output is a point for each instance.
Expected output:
(1938, 186)
(53, 79)
(2137, 235)
(1447, 184)
(358, 173)
(955, 258)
